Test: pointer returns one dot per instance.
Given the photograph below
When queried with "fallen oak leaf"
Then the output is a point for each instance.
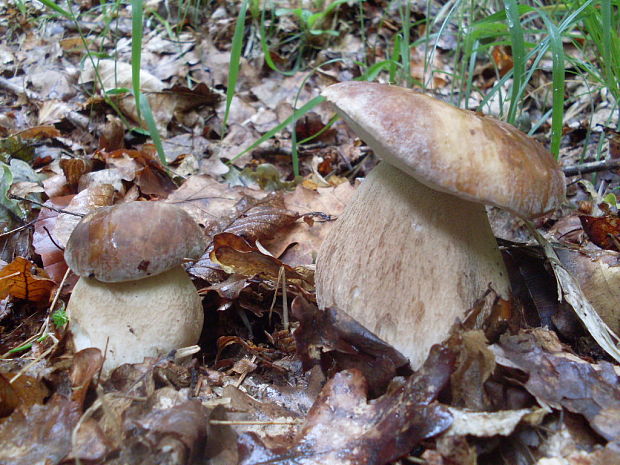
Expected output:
(603, 231)
(560, 379)
(342, 428)
(258, 219)
(22, 279)
(42, 433)
(235, 255)
(336, 341)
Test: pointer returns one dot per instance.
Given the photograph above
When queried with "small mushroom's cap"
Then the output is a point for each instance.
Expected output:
(451, 150)
(131, 241)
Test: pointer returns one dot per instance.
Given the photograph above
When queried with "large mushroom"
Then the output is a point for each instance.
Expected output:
(133, 298)
(414, 250)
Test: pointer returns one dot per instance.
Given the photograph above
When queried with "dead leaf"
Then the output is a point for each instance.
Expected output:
(74, 168)
(337, 342)
(562, 380)
(259, 219)
(22, 279)
(603, 231)
(298, 244)
(45, 244)
(237, 256)
(24, 392)
(343, 428)
(42, 433)
(39, 132)
(598, 275)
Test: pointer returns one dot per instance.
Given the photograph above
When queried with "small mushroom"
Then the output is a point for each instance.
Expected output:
(133, 298)
(414, 250)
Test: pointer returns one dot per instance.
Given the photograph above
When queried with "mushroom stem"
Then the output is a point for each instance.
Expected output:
(136, 319)
(406, 261)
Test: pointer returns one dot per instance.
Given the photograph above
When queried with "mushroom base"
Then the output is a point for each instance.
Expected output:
(135, 319)
(406, 261)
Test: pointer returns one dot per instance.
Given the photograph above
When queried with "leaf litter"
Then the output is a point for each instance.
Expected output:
(276, 380)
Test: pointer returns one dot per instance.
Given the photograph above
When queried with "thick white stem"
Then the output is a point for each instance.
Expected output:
(136, 319)
(406, 261)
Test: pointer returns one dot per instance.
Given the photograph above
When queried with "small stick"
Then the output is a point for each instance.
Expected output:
(20, 228)
(253, 422)
(592, 167)
(58, 210)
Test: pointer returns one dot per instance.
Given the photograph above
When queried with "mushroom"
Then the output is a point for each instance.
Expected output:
(133, 298)
(414, 250)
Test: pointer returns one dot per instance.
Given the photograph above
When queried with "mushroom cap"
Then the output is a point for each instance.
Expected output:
(132, 241)
(452, 150)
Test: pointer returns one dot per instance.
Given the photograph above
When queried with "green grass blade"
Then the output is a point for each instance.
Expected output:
(557, 76)
(137, 17)
(235, 57)
(147, 114)
(518, 56)
(58, 9)
(294, 117)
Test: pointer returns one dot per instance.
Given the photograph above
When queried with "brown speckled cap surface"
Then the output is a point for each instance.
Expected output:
(451, 150)
(131, 241)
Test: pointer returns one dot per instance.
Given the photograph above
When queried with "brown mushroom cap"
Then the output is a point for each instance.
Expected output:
(451, 150)
(131, 241)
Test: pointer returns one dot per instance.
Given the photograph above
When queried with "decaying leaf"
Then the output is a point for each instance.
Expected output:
(258, 219)
(22, 279)
(237, 256)
(487, 424)
(41, 434)
(336, 341)
(559, 379)
(603, 231)
(51, 252)
(343, 428)
(24, 392)
(598, 275)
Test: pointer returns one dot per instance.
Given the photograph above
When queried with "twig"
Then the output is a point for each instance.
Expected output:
(592, 167)
(58, 210)
(254, 422)
(20, 228)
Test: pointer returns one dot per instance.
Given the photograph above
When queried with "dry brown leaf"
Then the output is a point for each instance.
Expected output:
(260, 219)
(343, 428)
(22, 279)
(74, 168)
(22, 393)
(237, 256)
(41, 434)
(44, 242)
(336, 341)
(299, 243)
(561, 380)
(603, 231)
(39, 132)
(598, 275)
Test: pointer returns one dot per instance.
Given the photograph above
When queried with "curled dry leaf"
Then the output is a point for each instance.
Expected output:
(44, 241)
(342, 427)
(598, 275)
(603, 231)
(336, 341)
(237, 256)
(22, 279)
(42, 433)
(24, 392)
(259, 219)
(561, 380)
